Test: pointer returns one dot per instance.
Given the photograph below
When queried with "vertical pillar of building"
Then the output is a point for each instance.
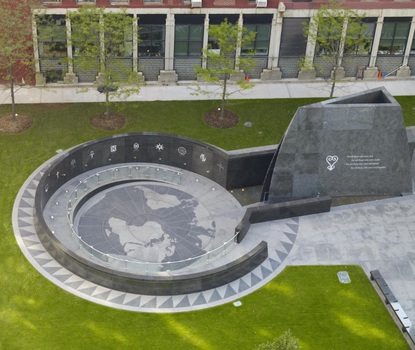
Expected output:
(273, 72)
(139, 75)
(372, 72)
(70, 77)
(135, 44)
(40, 78)
(205, 38)
(240, 74)
(168, 75)
(101, 76)
(405, 71)
(309, 72)
(338, 72)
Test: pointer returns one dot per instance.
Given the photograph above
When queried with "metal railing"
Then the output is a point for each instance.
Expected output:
(149, 173)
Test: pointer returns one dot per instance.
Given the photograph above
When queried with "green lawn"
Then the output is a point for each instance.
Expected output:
(36, 314)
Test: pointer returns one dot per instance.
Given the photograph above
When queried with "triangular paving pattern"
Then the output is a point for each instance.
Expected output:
(274, 264)
(293, 227)
(265, 272)
(254, 279)
(290, 236)
(200, 300)
(168, 304)
(242, 286)
(116, 297)
(133, 302)
(152, 303)
(215, 296)
(184, 302)
(281, 254)
(287, 246)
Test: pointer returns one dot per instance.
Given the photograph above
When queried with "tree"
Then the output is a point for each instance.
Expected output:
(222, 60)
(286, 342)
(336, 31)
(103, 42)
(16, 55)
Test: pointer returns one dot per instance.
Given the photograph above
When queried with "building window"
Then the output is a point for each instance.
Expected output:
(188, 40)
(85, 1)
(261, 43)
(152, 40)
(413, 46)
(369, 32)
(293, 42)
(119, 42)
(52, 2)
(51, 31)
(261, 25)
(394, 36)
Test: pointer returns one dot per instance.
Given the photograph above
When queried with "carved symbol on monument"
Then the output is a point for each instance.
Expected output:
(73, 163)
(220, 166)
(91, 154)
(57, 175)
(47, 187)
(113, 148)
(136, 146)
(203, 158)
(182, 151)
(331, 160)
(159, 147)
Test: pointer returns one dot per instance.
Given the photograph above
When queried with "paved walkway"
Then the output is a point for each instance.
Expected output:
(283, 89)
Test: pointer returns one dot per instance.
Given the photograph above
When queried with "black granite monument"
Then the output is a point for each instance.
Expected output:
(348, 146)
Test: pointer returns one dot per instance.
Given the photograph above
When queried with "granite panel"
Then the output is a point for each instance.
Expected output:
(202, 162)
(248, 170)
(310, 118)
(361, 148)
(113, 151)
(286, 164)
(309, 141)
(306, 163)
(136, 148)
(305, 185)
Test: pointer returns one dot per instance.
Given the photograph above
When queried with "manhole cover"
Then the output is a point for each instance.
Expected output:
(343, 277)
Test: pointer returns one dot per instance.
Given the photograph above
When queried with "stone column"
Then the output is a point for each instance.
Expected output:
(40, 78)
(70, 77)
(405, 71)
(205, 37)
(273, 72)
(101, 76)
(168, 75)
(372, 72)
(135, 44)
(309, 72)
(240, 74)
(139, 75)
(340, 73)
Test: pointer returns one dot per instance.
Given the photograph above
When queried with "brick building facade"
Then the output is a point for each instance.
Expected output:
(173, 32)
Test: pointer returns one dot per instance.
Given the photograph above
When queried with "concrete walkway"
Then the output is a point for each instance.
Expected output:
(285, 88)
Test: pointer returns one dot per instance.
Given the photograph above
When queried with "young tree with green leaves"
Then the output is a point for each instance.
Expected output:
(336, 32)
(16, 44)
(221, 62)
(286, 342)
(103, 42)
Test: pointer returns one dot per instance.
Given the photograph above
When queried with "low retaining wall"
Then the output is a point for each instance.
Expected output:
(270, 212)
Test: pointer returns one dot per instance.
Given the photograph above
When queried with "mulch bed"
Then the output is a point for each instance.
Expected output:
(22, 123)
(116, 121)
(214, 119)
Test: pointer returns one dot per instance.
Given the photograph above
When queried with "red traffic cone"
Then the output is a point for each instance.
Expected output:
(380, 75)
(247, 78)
